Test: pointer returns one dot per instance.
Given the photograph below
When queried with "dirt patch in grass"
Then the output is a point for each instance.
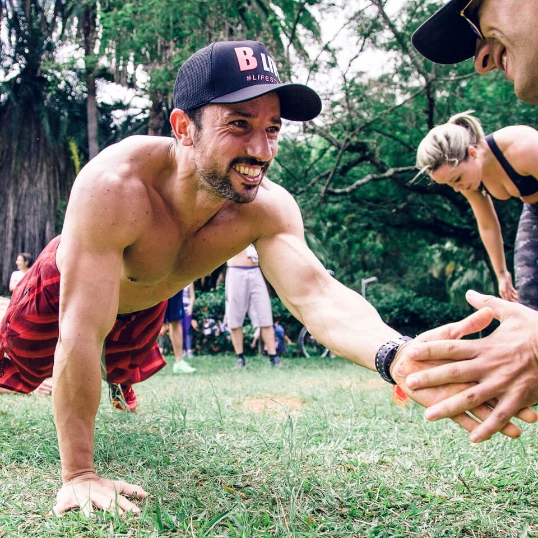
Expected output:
(278, 404)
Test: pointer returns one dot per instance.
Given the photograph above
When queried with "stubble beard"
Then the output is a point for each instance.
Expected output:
(220, 183)
(221, 186)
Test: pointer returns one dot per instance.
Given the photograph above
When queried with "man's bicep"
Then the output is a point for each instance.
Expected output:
(89, 287)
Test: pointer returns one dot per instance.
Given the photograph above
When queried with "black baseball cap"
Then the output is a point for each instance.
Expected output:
(235, 71)
(446, 37)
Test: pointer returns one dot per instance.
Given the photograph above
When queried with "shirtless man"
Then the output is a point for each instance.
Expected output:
(148, 216)
(246, 291)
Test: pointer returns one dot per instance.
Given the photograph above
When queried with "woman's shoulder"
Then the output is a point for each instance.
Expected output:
(516, 134)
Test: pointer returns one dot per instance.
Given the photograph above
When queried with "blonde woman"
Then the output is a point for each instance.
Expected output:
(501, 165)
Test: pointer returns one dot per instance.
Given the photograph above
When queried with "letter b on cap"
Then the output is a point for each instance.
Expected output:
(246, 58)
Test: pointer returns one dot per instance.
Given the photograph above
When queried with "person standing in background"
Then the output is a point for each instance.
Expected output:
(175, 313)
(246, 290)
(189, 296)
(24, 261)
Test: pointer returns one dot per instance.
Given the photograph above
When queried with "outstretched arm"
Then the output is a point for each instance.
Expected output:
(346, 323)
(501, 368)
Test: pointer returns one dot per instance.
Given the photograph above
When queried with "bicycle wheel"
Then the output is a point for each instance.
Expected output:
(309, 346)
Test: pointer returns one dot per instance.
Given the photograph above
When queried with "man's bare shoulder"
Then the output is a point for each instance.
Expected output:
(120, 184)
(273, 193)
(126, 169)
(136, 156)
(275, 210)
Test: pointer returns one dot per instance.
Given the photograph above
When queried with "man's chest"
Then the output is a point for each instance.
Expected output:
(169, 255)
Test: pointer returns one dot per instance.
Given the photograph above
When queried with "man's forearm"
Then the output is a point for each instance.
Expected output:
(349, 326)
(75, 397)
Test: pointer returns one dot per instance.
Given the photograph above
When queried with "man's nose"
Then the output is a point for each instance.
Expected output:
(260, 146)
(483, 58)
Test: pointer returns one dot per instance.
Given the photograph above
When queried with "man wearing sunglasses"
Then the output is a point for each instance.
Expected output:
(500, 34)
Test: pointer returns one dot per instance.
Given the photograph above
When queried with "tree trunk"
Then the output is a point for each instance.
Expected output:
(91, 108)
(88, 25)
(34, 174)
(156, 115)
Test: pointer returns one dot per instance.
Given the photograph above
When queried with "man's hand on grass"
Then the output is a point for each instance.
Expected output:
(90, 490)
(494, 378)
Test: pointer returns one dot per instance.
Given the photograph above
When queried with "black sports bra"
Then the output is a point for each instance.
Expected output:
(526, 185)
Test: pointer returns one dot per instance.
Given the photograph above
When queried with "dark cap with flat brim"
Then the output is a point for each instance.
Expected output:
(446, 37)
(229, 72)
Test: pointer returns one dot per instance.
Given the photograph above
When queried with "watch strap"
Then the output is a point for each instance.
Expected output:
(385, 357)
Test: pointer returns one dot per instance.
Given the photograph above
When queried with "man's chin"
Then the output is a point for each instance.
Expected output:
(527, 93)
(240, 198)
(247, 195)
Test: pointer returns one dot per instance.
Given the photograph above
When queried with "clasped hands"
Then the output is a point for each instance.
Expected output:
(482, 383)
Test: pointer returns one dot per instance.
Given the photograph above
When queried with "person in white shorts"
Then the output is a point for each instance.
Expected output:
(246, 291)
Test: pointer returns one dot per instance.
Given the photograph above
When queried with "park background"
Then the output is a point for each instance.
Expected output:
(325, 452)
(79, 75)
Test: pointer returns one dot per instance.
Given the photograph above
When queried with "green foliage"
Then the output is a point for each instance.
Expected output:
(159, 36)
(210, 305)
(208, 312)
(350, 170)
(411, 314)
(35, 161)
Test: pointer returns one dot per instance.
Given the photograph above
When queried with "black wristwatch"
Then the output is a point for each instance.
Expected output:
(385, 356)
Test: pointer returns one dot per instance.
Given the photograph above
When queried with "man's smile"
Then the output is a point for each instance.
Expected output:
(250, 172)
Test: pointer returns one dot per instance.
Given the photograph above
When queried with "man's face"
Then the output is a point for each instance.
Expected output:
(510, 29)
(235, 146)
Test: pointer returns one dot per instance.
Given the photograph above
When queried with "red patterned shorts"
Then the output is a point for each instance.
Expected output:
(29, 333)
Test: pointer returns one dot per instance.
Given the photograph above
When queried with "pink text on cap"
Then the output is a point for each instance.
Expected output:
(248, 62)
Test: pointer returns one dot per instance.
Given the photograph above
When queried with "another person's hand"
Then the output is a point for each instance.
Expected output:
(501, 370)
(90, 490)
(506, 288)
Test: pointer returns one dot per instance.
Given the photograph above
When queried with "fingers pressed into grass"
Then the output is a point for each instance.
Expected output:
(130, 489)
(125, 505)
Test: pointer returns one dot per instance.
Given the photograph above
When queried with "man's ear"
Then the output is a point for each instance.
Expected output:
(182, 126)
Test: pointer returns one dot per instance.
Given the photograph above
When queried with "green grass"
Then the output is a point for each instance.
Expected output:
(329, 455)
